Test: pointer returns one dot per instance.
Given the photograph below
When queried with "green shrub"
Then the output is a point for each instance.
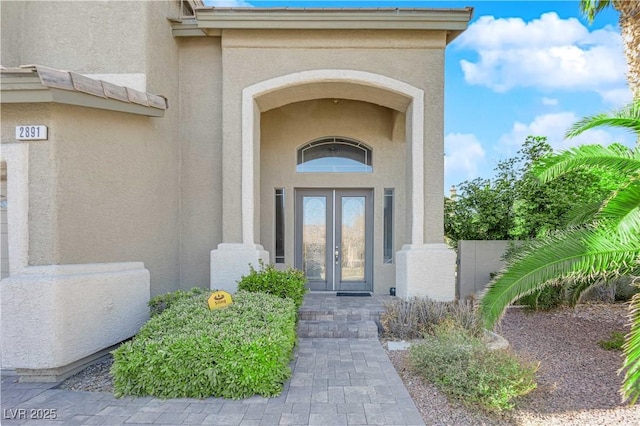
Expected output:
(163, 301)
(460, 365)
(191, 351)
(625, 289)
(614, 342)
(415, 317)
(545, 299)
(568, 292)
(286, 284)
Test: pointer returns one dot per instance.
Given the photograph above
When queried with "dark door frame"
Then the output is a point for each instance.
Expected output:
(333, 252)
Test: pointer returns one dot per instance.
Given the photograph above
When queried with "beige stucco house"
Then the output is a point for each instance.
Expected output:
(164, 145)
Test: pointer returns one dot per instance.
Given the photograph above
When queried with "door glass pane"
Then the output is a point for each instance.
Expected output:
(353, 238)
(387, 235)
(279, 225)
(314, 236)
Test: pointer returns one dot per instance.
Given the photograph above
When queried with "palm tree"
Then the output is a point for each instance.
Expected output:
(629, 20)
(607, 246)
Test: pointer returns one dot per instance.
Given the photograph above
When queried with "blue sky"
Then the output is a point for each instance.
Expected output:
(521, 68)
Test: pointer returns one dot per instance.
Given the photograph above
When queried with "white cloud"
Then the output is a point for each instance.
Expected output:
(617, 97)
(549, 101)
(497, 34)
(545, 53)
(463, 155)
(553, 126)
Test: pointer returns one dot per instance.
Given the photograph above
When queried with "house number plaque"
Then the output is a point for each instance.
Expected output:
(32, 133)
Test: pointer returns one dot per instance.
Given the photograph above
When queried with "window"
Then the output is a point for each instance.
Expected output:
(279, 225)
(387, 236)
(334, 155)
(187, 9)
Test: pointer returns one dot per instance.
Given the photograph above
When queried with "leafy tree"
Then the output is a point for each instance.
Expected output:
(514, 205)
(607, 245)
(542, 208)
(484, 210)
(481, 213)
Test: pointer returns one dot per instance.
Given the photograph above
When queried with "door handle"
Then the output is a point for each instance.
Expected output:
(337, 254)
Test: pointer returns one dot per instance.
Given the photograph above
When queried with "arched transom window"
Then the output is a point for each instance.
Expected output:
(334, 155)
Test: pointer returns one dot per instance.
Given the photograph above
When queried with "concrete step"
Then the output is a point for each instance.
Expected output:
(341, 315)
(367, 329)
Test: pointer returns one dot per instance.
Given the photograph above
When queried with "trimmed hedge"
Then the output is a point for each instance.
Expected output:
(289, 283)
(163, 301)
(191, 351)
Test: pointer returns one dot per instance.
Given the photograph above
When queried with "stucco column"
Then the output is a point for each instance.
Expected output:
(240, 186)
(433, 157)
(426, 266)
(232, 161)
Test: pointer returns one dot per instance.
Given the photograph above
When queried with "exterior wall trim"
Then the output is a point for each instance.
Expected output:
(454, 21)
(43, 94)
(415, 137)
(35, 83)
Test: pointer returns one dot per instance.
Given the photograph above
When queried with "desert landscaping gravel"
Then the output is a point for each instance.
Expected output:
(577, 380)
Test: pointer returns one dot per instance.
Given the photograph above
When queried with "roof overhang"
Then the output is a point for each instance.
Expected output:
(37, 84)
(212, 20)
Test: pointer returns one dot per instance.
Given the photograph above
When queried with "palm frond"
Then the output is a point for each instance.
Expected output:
(629, 225)
(585, 252)
(575, 289)
(583, 213)
(590, 8)
(622, 209)
(618, 158)
(599, 120)
(631, 348)
(627, 118)
(587, 255)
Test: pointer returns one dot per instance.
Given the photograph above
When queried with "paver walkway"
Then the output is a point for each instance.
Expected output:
(335, 381)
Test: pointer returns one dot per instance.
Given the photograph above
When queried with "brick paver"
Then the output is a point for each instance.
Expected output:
(335, 381)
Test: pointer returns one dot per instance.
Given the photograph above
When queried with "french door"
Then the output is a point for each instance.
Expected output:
(333, 237)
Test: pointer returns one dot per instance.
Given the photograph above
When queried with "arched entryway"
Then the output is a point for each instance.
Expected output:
(323, 84)
(401, 99)
(321, 207)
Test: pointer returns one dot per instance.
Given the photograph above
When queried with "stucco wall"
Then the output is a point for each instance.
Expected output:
(113, 194)
(285, 129)
(201, 153)
(477, 260)
(413, 57)
(99, 189)
(105, 186)
(55, 315)
(10, 35)
(179, 162)
(85, 37)
(161, 53)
